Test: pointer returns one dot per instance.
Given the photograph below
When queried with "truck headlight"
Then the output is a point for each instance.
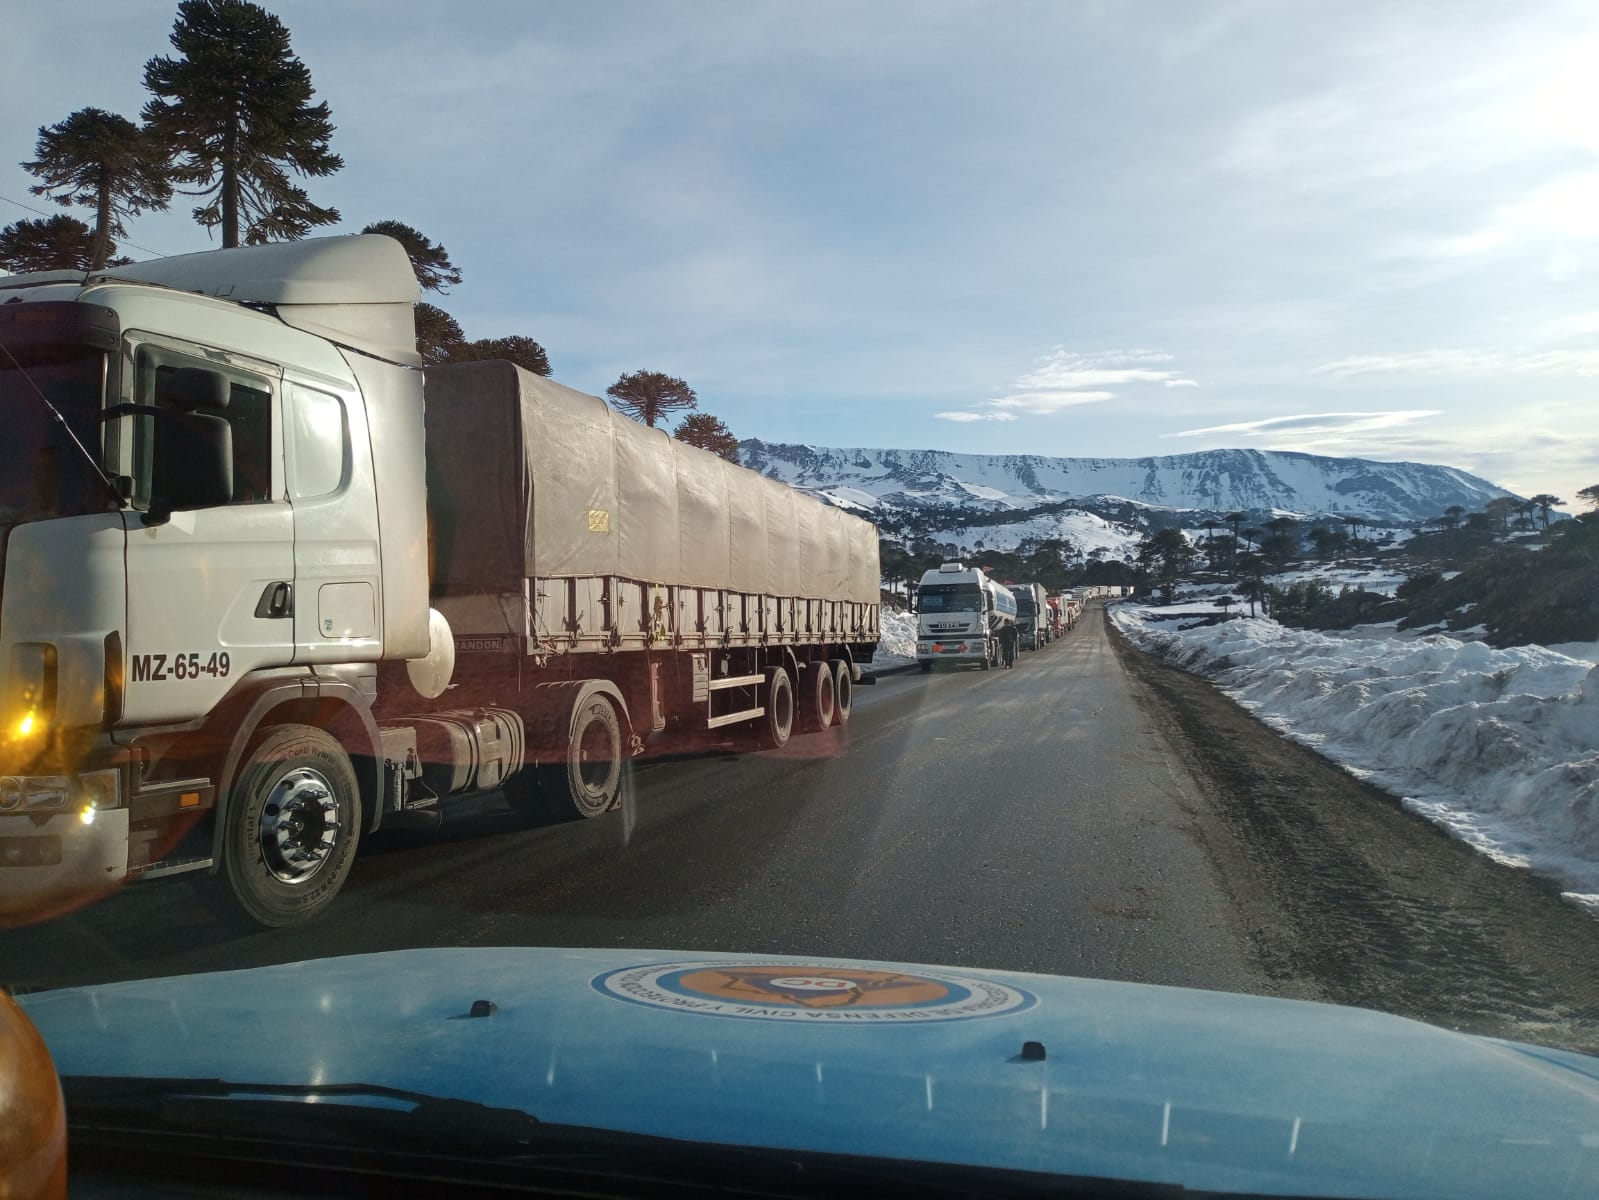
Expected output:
(35, 793)
(31, 696)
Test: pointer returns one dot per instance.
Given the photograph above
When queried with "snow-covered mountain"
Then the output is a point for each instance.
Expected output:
(1210, 481)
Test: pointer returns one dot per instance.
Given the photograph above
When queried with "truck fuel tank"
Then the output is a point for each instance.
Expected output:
(466, 750)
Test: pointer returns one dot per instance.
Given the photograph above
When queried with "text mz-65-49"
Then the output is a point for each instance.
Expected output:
(268, 585)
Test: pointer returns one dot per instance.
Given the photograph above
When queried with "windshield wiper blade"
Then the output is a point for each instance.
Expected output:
(423, 1119)
(55, 413)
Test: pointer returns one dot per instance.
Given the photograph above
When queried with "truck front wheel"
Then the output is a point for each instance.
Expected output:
(591, 780)
(291, 827)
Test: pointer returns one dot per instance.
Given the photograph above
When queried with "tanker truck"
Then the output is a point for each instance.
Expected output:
(268, 586)
(960, 612)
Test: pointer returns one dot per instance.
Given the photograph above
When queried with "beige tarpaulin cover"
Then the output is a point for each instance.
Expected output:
(527, 478)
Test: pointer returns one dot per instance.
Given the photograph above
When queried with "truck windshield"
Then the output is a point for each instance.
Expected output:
(950, 597)
(42, 474)
(1024, 604)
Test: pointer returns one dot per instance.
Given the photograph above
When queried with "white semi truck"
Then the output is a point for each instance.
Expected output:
(960, 612)
(1032, 615)
(259, 600)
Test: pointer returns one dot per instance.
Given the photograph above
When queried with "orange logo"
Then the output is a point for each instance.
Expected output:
(813, 987)
(809, 992)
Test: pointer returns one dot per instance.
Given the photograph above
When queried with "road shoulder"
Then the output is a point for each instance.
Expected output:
(1348, 896)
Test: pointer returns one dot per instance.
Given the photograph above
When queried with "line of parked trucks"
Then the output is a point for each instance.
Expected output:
(268, 585)
(961, 614)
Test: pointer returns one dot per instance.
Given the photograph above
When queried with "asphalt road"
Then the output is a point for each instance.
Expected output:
(1057, 817)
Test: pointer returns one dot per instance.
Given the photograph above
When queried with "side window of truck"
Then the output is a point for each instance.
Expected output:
(248, 414)
(319, 442)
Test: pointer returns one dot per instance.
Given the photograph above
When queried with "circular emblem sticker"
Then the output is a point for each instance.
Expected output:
(823, 995)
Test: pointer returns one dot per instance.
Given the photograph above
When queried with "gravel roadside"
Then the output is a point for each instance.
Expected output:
(1349, 898)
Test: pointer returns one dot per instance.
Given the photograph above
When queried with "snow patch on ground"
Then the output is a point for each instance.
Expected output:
(1086, 531)
(852, 498)
(896, 639)
(1501, 747)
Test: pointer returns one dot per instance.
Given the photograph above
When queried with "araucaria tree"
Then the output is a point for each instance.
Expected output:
(649, 396)
(96, 159)
(431, 261)
(1165, 555)
(708, 433)
(514, 348)
(1543, 502)
(59, 243)
(234, 110)
(438, 334)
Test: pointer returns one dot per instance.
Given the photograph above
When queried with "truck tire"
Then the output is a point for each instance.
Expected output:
(593, 774)
(927, 667)
(291, 827)
(843, 690)
(817, 707)
(776, 725)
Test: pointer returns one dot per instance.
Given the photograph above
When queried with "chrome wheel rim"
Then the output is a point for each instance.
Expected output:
(299, 825)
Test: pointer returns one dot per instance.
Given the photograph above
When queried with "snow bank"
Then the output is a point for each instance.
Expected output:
(1501, 747)
(896, 640)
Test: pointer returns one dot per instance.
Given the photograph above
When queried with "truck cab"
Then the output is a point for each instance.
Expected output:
(1032, 615)
(190, 546)
(960, 611)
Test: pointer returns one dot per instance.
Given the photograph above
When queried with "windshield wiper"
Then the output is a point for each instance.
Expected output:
(302, 1111)
(94, 463)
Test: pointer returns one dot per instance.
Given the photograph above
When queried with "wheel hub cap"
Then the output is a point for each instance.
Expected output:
(299, 825)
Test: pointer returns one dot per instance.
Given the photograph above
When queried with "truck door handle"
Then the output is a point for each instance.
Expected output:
(276, 602)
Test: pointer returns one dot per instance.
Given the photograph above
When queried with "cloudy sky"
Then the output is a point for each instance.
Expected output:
(1094, 228)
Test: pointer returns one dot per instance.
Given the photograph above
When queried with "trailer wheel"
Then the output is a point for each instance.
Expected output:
(593, 774)
(775, 727)
(291, 827)
(843, 689)
(819, 705)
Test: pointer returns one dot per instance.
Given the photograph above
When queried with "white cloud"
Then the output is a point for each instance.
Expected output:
(1048, 401)
(1302, 424)
(1465, 362)
(965, 417)
(1064, 380)
(1063, 369)
(1557, 213)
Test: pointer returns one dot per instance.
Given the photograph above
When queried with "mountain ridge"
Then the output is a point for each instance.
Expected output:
(1204, 482)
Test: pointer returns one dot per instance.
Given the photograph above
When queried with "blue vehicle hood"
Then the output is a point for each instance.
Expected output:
(1212, 1091)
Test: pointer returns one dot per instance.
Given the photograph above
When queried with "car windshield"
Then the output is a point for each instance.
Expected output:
(982, 586)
